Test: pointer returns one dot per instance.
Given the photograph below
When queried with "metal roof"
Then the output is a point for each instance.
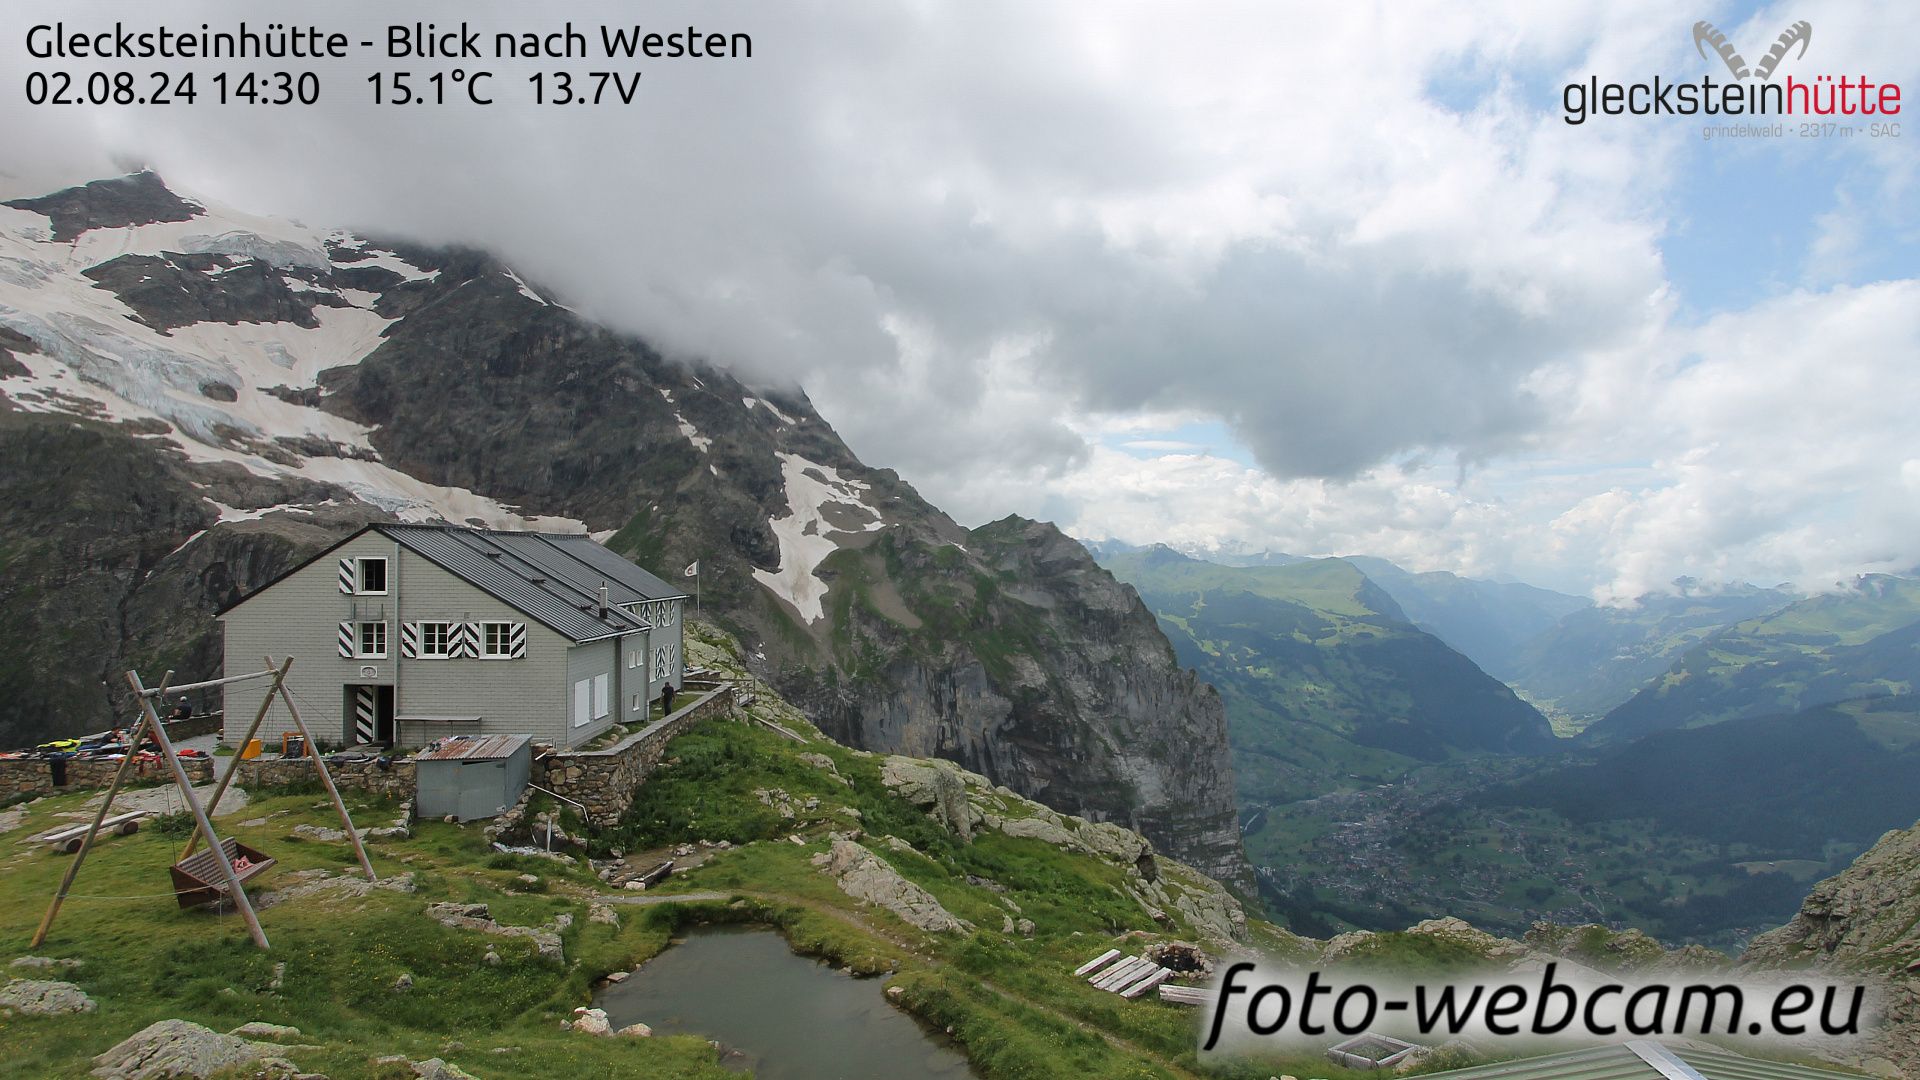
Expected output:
(546, 577)
(474, 748)
(1642, 1061)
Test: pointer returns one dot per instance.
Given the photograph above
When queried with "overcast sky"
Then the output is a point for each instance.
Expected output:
(1321, 278)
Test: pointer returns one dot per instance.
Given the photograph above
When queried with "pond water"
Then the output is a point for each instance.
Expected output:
(789, 1017)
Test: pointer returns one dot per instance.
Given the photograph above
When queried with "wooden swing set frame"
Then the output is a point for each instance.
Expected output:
(230, 881)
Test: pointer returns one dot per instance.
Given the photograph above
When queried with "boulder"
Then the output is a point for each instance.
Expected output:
(865, 876)
(436, 1069)
(44, 963)
(636, 1031)
(937, 787)
(32, 997)
(591, 1022)
(176, 1048)
(260, 1029)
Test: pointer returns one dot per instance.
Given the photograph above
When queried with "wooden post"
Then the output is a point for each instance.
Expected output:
(326, 778)
(234, 889)
(233, 766)
(86, 842)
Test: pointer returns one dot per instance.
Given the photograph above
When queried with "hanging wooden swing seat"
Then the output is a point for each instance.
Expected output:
(197, 879)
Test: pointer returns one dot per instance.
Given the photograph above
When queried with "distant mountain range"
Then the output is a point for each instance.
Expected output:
(1735, 743)
(1858, 642)
(1788, 784)
(1323, 674)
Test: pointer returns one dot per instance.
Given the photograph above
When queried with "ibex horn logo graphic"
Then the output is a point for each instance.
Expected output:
(1705, 34)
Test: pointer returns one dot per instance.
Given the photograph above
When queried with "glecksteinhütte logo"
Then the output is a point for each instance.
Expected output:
(1752, 92)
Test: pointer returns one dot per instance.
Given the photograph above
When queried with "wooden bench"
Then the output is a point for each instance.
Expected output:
(197, 878)
(67, 841)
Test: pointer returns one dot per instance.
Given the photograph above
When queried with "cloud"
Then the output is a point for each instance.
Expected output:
(987, 236)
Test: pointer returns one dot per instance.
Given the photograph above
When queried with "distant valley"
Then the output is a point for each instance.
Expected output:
(1720, 750)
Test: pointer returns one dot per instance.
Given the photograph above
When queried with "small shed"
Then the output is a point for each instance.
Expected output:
(472, 776)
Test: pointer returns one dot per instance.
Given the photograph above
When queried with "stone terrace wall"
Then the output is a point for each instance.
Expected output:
(395, 781)
(605, 780)
(34, 776)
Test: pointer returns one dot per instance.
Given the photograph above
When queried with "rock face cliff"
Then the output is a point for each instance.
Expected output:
(197, 398)
(1864, 922)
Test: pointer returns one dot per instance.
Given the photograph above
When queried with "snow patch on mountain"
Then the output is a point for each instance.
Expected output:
(209, 382)
(526, 290)
(751, 402)
(821, 504)
(700, 442)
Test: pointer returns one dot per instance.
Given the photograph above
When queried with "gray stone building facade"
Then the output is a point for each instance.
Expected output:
(403, 633)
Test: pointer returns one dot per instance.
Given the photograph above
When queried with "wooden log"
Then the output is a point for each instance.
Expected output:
(656, 875)
(1146, 984)
(1097, 963)
(1119, 976)
(1185, 995)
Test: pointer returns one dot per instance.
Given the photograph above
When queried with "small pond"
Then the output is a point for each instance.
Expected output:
(789, 1017)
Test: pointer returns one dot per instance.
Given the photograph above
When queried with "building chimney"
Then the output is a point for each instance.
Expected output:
(605, 601)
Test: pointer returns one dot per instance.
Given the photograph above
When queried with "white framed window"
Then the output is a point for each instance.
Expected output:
(582, 703)
(602, 702)
(496, 640)
(370, 575)
(371, 641)
(436, 640)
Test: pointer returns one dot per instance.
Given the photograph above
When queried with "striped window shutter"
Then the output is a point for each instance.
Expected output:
(517, 641)
(347, 640)
(463, 640)
(410, 640)
(348, 572)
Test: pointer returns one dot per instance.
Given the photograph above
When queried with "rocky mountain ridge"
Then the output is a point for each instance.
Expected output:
(1864, 921)
(195, 398)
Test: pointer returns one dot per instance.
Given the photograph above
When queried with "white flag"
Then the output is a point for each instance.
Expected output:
(692, 570)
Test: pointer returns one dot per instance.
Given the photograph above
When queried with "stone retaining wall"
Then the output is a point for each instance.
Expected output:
(394, 781)
(36, 776)
(605, 780)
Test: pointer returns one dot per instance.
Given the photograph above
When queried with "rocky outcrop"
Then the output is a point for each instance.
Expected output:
(35, 997)
(1032, 666)
(546, 939)
(865, 876)
(177, 1048)
(1864, 922)
(964, 803)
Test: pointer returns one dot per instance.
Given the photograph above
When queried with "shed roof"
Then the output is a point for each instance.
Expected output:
(474, 748)
(1643, 1061)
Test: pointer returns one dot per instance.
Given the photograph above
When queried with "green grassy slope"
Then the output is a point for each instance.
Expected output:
(1862, 641)
(1597, 658)
(1009, 998)
(1324, 678)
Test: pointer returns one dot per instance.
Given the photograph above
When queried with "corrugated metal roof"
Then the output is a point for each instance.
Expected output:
(603, 562)
(1621, 1063)
(474, 748)
(536, 578)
